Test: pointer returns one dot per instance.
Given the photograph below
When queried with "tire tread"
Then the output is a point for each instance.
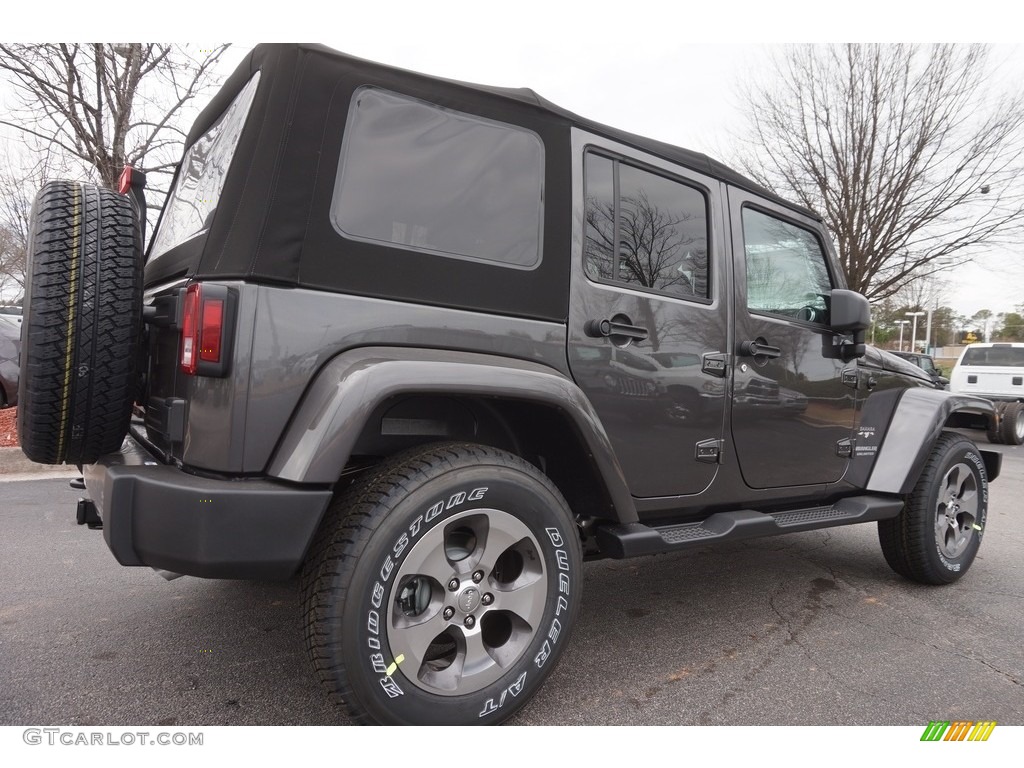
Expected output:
(351, 519)
(906, 539)
(76, 404)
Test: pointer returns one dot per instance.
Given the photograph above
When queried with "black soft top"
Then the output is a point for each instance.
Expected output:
(272, 222)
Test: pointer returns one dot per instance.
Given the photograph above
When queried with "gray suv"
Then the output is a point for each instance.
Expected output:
(427, 345)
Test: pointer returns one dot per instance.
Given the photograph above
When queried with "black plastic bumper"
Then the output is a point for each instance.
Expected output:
(160, 516)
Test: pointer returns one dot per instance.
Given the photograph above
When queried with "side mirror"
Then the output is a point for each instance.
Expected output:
(850, 312)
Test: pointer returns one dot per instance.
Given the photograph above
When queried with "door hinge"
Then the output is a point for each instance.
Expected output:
(715, 364)
(709, 451)
(851, 377)
(844, 448)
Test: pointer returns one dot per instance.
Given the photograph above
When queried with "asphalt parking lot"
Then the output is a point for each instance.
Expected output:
(809, 629)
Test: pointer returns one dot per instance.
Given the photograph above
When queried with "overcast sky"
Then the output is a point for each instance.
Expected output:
(636, 65)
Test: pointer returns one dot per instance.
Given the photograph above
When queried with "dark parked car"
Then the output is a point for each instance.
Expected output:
(427, 345)
(927, 364)
(10, 350)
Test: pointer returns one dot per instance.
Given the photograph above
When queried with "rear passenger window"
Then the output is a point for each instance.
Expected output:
(420, 176)
(644, 230)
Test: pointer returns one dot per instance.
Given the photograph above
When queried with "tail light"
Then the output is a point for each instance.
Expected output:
(207, 327)
(133, 181)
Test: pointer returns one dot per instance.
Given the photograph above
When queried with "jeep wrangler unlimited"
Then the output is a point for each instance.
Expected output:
(427, 345)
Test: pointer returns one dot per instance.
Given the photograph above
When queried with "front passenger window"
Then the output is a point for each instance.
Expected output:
(787, 273)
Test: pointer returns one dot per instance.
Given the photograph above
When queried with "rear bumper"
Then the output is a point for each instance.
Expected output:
(157, 515)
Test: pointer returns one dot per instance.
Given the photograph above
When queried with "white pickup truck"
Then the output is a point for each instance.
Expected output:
(996, 372)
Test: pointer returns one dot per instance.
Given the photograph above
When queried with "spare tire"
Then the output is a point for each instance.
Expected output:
(82, 324)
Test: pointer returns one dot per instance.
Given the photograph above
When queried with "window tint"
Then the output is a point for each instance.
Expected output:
(786, 268)
(998, 355)
(192, 202)
(659, 226)
(417, 175)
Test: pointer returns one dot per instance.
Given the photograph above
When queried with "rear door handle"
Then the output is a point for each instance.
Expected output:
(608, 328)
(759, 348)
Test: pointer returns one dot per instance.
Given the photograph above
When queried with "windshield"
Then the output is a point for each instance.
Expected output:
(999, 355)
(192, 202)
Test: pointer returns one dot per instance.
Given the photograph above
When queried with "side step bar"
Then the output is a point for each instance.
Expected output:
(636, 539)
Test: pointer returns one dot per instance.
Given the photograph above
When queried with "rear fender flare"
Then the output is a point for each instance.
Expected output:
(319, 440)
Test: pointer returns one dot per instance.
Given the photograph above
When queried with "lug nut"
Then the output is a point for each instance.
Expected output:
(470, 622)
(487, 599)
(448, 613)
(453, 585)
(478, 577)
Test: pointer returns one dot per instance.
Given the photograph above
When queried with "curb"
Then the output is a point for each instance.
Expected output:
(14, 462)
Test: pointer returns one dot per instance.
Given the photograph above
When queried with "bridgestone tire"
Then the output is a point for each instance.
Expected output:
(455, 538)
(1011, 428)
(82, 323)
(936, 537)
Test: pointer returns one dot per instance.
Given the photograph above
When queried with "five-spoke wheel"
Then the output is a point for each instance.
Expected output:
(935, 538)
(956, 511)
(443, 587)
(468, 600)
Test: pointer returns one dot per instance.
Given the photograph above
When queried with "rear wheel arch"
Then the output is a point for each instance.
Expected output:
(541, 434)
(432, 396)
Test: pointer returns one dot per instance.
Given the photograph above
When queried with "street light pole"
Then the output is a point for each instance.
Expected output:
(901, 323)
(913, 338)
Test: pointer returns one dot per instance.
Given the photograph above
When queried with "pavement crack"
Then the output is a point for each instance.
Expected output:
(785, 623)
(924, 643)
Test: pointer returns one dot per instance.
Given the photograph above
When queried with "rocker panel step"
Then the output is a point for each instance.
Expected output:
(636, 539)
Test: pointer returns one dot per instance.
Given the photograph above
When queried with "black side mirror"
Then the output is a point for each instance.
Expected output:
(850, 312)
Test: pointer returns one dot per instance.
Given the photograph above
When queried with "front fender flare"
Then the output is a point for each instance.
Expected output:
(318, 442)
(917, 419)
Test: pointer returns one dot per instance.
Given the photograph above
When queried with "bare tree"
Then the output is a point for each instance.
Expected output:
(658, 248)
(911, 163)
(17, 185)
(982, 322)
(107, 105)
(12, 266)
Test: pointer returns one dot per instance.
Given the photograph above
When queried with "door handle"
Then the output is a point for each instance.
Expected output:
(608, 328)
(759, 348)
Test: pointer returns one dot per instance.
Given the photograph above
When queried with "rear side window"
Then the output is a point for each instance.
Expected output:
(192, 202)
(431, 179)
(994, 356)
(644, 230)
